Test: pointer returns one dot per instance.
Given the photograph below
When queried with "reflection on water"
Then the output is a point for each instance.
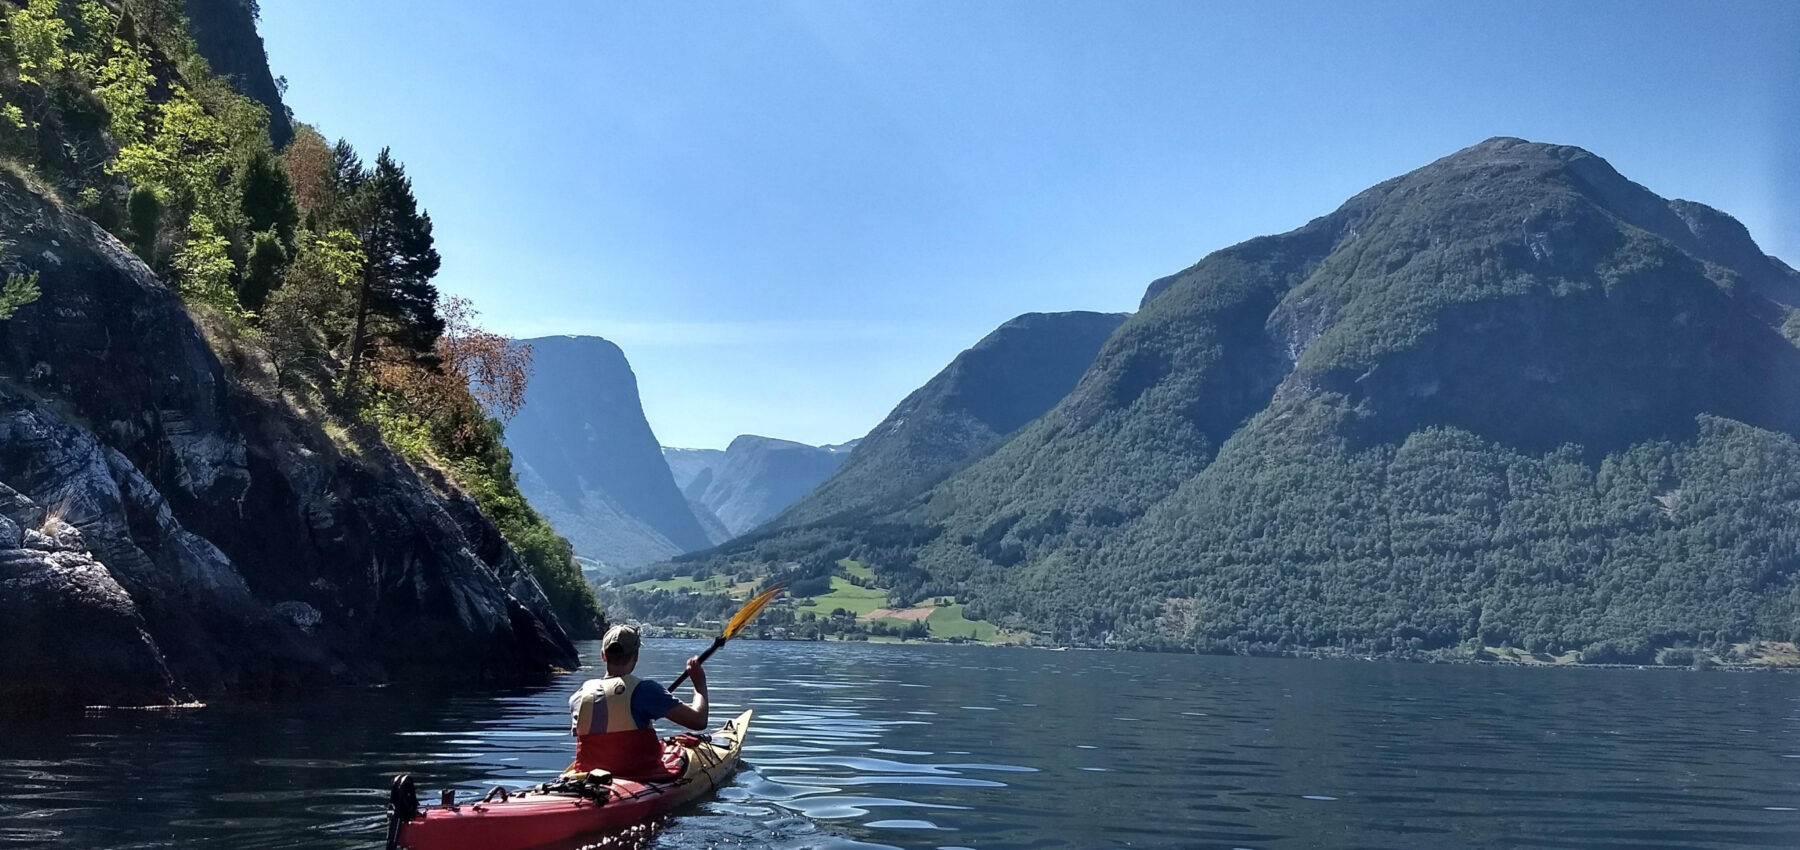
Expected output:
(946, 747)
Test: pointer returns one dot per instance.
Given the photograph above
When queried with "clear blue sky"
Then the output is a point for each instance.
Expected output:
(790, 215)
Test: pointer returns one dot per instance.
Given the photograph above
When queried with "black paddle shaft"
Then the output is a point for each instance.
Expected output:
(717, 642)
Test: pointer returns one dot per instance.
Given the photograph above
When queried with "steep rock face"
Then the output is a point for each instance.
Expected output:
(587, 459)
(757, 477)
(1511, 396)
(225, 33)
(1012, 376)
(220, 544)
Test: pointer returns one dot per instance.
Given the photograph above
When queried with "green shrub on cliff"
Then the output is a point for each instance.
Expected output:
(37, 33)
(100, 119)
(20, 289)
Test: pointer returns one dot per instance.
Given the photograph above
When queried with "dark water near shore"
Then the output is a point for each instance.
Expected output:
(939, 746)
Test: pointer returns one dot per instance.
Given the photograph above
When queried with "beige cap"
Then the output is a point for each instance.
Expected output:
(622, 637)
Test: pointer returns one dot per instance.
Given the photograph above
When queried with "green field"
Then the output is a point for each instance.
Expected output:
(856, 600)
(948, 622)
(857, 569)
(947, 619)
(713, 584)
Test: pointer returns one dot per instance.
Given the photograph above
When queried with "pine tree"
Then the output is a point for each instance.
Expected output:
(144, 212)
(397, 302)
(262, 273)
(348, 167)
(268, 197)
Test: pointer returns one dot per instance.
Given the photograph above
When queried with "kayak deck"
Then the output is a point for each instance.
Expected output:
(536, 817)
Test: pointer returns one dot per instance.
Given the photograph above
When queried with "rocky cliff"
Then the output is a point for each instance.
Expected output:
(587, 459)
(167, 533)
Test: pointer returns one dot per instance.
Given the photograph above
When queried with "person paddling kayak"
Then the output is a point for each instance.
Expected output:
(622, 775)
(612, 717)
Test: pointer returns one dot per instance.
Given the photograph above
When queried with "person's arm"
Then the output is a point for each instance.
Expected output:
(692, 715)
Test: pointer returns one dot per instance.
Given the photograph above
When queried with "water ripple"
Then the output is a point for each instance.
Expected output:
(858, 747)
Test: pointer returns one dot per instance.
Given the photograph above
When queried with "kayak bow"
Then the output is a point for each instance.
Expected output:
(573, 806)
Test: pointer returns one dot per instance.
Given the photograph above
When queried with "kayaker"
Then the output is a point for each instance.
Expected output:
(612, 718)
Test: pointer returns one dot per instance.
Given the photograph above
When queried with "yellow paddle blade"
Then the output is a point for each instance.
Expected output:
(749, 611)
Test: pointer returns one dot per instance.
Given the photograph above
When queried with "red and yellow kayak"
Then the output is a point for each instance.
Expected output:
(570, 807)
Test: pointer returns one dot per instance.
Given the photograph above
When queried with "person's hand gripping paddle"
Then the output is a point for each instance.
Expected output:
(735, 626)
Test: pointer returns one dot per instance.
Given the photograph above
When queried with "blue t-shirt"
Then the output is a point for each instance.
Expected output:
(650, 702)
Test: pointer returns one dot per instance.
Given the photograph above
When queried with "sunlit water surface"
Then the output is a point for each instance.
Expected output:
(942, 747)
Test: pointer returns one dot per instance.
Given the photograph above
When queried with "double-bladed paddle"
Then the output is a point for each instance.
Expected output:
(734, 627)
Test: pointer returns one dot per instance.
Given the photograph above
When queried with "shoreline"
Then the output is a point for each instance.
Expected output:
(1486, 656)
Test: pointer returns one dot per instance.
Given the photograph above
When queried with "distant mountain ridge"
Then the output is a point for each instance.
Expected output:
(587, 458)
(1008, 378)
(691, 465)
(754, 478)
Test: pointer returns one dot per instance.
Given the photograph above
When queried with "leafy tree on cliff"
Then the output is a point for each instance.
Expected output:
(312, 175)
(308, 317)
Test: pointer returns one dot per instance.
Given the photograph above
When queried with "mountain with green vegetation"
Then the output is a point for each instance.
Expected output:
(1511, 399)
(1007, 379)
(245, 446)
(586, 457)
(753, 479)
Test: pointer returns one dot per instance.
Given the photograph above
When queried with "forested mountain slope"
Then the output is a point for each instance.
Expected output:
(1508, 398)
(1008, 378)
(587, 458)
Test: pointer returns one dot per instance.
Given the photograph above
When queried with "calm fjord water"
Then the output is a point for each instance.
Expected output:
(942, 746)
